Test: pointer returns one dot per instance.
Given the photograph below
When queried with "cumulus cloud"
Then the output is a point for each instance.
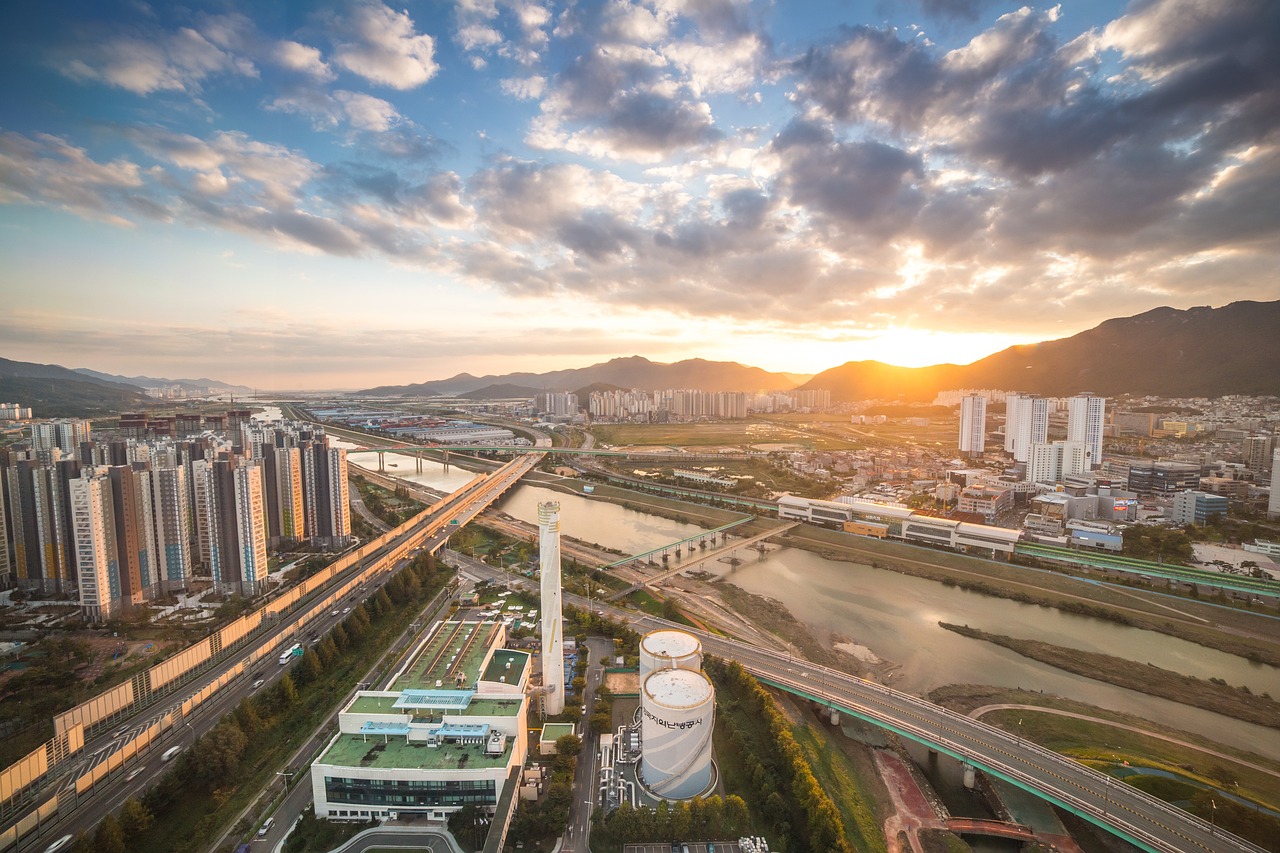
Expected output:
(143, 63)
(303, 59)
(384, 47)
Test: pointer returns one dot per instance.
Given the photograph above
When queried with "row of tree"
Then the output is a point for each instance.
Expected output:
(783, 788)
(219, 762)
(697, 819)
(548, 816)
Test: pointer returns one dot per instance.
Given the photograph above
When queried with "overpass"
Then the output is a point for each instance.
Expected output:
(1143, 820)
(87, 774)
(672, 455)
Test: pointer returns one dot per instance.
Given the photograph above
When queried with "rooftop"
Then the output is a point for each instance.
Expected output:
(555, 731)
(497, 667)
(396, 753)
(366, 704)
(453, 649)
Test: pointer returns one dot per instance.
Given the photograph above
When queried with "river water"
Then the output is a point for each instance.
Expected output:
(896, 616)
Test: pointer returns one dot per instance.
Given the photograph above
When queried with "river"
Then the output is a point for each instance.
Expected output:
(896, 616)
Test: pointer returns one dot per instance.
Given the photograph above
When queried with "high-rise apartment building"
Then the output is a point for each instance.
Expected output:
(1026, 423)
(134, 530)
(251, 527)
(95, 542)
(171, 516)
(973, 425)
(63, 433)
(1273, 503)
(1055, 462)
(1258, 452)
(1086, 418)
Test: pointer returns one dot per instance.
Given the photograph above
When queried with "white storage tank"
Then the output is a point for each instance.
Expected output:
(669, 649)
(677, 715)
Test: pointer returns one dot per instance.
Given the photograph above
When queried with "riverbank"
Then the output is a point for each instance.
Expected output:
(1221, 698)
(1247, 635)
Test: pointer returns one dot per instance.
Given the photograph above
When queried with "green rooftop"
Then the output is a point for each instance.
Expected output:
(398, 754)
(433, 662)
(497, 667)
(375, 705)
(555, 731)
(494, 707)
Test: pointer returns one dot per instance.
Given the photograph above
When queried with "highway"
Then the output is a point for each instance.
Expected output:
(1145, 821)
(84, 812)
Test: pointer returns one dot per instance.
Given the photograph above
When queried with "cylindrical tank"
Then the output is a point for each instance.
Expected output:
(669, 649)
(677, 715)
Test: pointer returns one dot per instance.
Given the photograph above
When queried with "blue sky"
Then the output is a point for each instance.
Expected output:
(325, 195)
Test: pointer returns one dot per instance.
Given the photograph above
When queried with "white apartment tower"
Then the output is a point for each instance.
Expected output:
(93, 526)
(552, 620)
(1085, 418)
(1053, 463)
(63, 433)
(1026, 423)
(973, 425)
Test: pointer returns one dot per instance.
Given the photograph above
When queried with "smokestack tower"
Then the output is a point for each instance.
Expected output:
(552, 626)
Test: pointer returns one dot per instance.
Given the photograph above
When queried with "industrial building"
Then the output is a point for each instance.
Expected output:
(448, 732)
(896, 521)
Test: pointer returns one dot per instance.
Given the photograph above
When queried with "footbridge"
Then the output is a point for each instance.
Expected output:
(998, 828)
(706, 536)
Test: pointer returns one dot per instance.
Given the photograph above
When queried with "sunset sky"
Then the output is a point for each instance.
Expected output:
(338, 195)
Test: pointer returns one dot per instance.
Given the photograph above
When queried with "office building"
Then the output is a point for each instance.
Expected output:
(449, 732)
(1086, 420)
(973, 425)
(552, 617)
(1197, 508)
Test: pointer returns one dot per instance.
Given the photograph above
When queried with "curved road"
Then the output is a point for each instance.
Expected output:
(1151, 824)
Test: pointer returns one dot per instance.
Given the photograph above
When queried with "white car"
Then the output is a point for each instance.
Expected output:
(133, 774)
(59, 844)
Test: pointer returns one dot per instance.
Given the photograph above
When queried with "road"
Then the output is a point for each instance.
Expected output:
(84, 812)
(1138, 817)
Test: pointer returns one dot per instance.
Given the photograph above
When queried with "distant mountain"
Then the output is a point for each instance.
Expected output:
(500, 392)
(54, 391)
(1199, 352)
(632, 372)
(196, 386)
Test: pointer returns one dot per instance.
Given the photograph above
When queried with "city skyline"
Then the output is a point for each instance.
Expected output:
(356, 194)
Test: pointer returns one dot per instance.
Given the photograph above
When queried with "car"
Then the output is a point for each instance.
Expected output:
(334, 613)
(59, 844)
(133, 774)
(258, 683)
(266, 827)
(346, 610)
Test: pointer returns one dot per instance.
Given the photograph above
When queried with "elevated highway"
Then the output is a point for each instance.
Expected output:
(1143, 820)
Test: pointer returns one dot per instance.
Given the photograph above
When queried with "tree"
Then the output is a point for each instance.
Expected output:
(469, 825)
(109, 838)
(135, 818)
(569, 744)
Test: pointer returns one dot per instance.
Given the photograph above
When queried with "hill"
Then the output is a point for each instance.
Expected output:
(191, 386)
(504, 391)
(53, 391)
(632, 372)
(1199, 352)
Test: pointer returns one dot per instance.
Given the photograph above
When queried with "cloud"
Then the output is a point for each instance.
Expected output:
(48, 171)
(303, 59)
(383, 46)
(151, 61)
(525, 88)
(366, 112)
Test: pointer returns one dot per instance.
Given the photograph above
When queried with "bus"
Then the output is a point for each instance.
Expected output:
(288, 654)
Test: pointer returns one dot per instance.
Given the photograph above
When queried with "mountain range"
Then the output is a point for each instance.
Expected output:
(631, 372)
(1197, 352)
(1166, 352)
(190, 386)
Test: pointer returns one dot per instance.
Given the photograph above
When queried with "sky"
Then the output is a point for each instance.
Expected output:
(320, 195)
